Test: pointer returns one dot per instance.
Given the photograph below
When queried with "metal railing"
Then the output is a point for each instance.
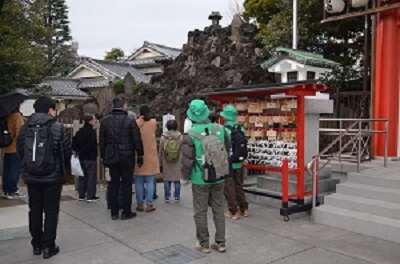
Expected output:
(356, 132)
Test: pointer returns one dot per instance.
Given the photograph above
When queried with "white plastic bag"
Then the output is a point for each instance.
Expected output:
(107, 174)
(76, 168)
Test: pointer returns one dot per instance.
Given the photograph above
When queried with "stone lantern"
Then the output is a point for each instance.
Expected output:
(215, 17)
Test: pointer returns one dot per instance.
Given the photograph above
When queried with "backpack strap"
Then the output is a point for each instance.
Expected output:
(215, 129)
(196, 135)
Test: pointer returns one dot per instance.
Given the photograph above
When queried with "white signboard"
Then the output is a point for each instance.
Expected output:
(165, 119)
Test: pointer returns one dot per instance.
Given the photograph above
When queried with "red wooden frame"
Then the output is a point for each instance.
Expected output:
(299, 90)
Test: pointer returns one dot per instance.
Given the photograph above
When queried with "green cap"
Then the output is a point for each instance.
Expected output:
(198, 110)
(229, 113)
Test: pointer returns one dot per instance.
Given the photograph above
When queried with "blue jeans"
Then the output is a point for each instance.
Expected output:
(11, 172)
(139, 188)
(167, 189)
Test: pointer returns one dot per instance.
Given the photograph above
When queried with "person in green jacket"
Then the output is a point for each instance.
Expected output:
(233, 190)
(204, 194)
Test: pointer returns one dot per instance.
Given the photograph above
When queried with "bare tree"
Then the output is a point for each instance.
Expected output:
(234, 7)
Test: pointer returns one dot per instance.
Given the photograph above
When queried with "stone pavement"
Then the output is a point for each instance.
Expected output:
(86, 234)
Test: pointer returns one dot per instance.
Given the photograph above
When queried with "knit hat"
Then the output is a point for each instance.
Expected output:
(229, 113)
(198, 110)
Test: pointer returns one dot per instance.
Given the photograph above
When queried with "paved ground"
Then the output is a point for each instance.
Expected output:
(88, 235)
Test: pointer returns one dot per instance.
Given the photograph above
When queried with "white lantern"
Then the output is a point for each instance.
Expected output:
(359, 3)
(334, 6)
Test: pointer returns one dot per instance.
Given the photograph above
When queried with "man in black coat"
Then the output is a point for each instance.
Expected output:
(44, 148)
(84, 144)
(120, 139)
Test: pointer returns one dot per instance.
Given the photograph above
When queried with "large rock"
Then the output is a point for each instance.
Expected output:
(213, 58)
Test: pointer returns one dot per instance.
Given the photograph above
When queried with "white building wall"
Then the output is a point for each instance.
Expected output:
(151, 70)
(27, 106)
(85, 73)
(286, 65)
(146, 55)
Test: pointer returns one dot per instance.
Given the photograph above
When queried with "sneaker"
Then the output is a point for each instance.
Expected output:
(167, 200)
(93, 199)
(202, 249)
(246, 213)
(220, 247)
(81, 199)
(231, 216)
(177, 199)
(9, 196)
(18, 194)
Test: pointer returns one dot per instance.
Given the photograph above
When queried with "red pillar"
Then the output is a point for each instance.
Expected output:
(387, 79)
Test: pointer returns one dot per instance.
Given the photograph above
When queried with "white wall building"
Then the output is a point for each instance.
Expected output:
(295, 65)
(147, 59)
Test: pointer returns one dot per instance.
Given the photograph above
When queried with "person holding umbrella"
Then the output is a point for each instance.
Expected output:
(11, 121)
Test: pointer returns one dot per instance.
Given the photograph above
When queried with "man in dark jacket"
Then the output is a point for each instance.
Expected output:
(119, 140)
(44, 188)
(84, 144)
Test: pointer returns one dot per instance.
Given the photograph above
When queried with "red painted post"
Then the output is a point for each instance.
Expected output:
(285, 183)
(300, 148)
(387, 81)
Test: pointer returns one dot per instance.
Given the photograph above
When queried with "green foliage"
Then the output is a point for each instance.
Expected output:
(137, 86)
(118, 87)
(21, 61)
(59, 53)
(340, 41)
(115, 54)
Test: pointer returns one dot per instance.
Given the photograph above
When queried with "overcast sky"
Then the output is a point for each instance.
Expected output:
(99, 25)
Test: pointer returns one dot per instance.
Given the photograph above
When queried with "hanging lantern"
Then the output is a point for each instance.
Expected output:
(359, 3)
(334, 6)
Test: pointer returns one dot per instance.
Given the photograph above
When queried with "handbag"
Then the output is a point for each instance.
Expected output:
(111, 156)
(76, 168)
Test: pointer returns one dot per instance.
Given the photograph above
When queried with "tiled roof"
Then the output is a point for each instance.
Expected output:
(139, 62)
(303, 57)
(94, 83)
(64, 87)
(164, 50)
(113, 70)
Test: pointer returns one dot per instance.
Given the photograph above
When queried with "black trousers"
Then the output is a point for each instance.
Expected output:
(87, 183)
(44, 198)
(121, 175)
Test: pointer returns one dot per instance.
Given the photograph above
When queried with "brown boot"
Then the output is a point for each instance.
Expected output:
(139, 208)
(150, 208)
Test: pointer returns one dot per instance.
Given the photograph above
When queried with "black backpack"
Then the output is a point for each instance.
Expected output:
(38, 150)
(239, 144)
(5, 135)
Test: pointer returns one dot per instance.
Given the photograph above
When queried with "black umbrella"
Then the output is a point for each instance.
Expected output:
(10, 101)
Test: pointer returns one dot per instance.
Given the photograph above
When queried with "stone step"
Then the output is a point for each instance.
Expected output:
(369, 191)
(275, 184)
(378, 179)
(360, 204)
(363, 223)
